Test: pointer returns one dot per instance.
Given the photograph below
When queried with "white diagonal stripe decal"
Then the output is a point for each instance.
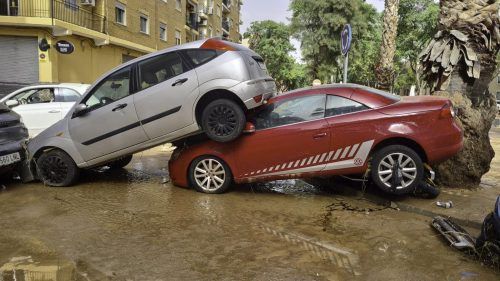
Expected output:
(322, 157)
(330, 155)
(345, 152)
(316, 159)
(353, 150)
(337, 154)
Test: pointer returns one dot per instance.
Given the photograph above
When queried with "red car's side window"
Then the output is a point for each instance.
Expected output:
(290, 111)
(336, 105)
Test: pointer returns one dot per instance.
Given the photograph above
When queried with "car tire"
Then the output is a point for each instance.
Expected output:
(223, 120)
(120, 162)
(209, 174)
(56, 168)
(397, 169)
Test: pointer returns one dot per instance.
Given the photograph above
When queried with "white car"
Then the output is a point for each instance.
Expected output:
(41, 106)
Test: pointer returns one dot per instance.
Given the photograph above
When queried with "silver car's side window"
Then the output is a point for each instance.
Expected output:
(290, 111)
(160, 68)
(112, 88)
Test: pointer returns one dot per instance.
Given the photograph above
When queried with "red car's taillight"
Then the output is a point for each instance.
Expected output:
(216, 44)
(447, 112)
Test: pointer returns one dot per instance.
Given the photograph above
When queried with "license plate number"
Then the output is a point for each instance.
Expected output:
(9, 159)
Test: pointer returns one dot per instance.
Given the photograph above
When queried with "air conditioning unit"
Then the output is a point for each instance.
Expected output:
(87, 2)
(210, 11)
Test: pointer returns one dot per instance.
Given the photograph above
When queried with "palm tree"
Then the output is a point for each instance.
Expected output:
(384, 70)
(459, 63)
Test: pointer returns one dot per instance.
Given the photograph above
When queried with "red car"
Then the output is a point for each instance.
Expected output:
(324, 131)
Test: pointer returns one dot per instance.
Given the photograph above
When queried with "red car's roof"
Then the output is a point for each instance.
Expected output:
(370, 97)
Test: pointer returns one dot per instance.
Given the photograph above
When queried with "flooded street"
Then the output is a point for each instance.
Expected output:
(133, 225)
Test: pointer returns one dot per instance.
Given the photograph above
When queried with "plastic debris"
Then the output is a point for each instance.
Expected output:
(446, 205)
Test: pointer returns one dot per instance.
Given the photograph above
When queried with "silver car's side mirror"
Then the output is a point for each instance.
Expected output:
(12, 103)
(80, 109)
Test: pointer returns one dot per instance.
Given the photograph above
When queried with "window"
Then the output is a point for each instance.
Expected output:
(112, 88)
(200, 56)
(178, 40)
(120, 15)
(498, 96)
(163, 32)
(127, 58)
(336, 105)
(159, 69)
(144, 24)
(34, 96)
(67, 95)
(178, 5)
(498, 79)
(71, 4)
(290, 111)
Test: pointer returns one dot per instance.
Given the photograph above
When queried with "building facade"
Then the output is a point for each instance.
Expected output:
(55, 41)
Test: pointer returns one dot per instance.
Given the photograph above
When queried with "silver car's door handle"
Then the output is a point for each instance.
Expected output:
(180, 82)
(119, 107)
(54, 111)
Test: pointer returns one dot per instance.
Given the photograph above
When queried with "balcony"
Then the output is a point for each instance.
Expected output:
(54, 9)
(226, 6)
(225, 28)
(192, 20)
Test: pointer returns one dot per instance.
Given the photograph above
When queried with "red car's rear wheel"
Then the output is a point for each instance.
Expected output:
(209, 174)
(397, 169)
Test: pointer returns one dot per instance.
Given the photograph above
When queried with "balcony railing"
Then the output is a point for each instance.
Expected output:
(56, 9)
(226, 6)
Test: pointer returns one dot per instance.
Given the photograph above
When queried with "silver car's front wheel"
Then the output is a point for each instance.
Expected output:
(397, 169)
(209, 174)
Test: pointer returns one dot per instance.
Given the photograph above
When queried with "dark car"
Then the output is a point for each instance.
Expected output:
(13, 136)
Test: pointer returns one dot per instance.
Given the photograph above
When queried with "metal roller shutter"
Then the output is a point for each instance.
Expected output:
(18, 60)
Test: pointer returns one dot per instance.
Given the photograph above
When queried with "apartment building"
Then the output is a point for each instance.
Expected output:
(79, 40)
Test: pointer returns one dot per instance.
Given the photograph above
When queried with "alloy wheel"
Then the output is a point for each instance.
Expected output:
(397, 165)
(209, 174)
(222, 120)
(54, 169)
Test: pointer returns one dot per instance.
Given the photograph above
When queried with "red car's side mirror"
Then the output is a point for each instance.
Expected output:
(249, 128)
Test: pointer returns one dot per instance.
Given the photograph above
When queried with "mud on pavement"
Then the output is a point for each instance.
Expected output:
(128, 225)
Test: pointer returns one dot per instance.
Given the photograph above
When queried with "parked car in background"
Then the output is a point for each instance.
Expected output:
(324, 131)
(13, 136)
(158, 98)
(41, 106)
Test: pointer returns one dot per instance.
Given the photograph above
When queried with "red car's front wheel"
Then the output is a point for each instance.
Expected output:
(209, 174)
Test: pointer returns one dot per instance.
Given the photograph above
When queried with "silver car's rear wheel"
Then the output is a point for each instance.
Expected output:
(397, 169)
(209, 174)
(223, 120)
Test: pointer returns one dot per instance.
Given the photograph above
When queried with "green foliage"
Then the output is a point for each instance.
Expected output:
(417, 24)
(317, 24)
(271, 40)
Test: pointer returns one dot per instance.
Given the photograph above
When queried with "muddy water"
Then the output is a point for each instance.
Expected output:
(128, 225)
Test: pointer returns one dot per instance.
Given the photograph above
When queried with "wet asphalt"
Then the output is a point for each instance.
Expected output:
(134, 225)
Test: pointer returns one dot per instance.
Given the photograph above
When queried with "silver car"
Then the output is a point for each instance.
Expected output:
(162, 97)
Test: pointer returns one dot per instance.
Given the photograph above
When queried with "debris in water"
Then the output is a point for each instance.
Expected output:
(446, 205)
(165, 180)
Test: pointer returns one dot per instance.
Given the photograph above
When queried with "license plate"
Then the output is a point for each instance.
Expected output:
(9, 159)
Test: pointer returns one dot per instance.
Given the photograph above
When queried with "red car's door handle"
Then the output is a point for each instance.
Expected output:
(320, 135)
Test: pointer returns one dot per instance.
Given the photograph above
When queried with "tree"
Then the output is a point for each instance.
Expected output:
(416, 26)
(272, 41)
(385, 69)
(459, 63)
(317, 24)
